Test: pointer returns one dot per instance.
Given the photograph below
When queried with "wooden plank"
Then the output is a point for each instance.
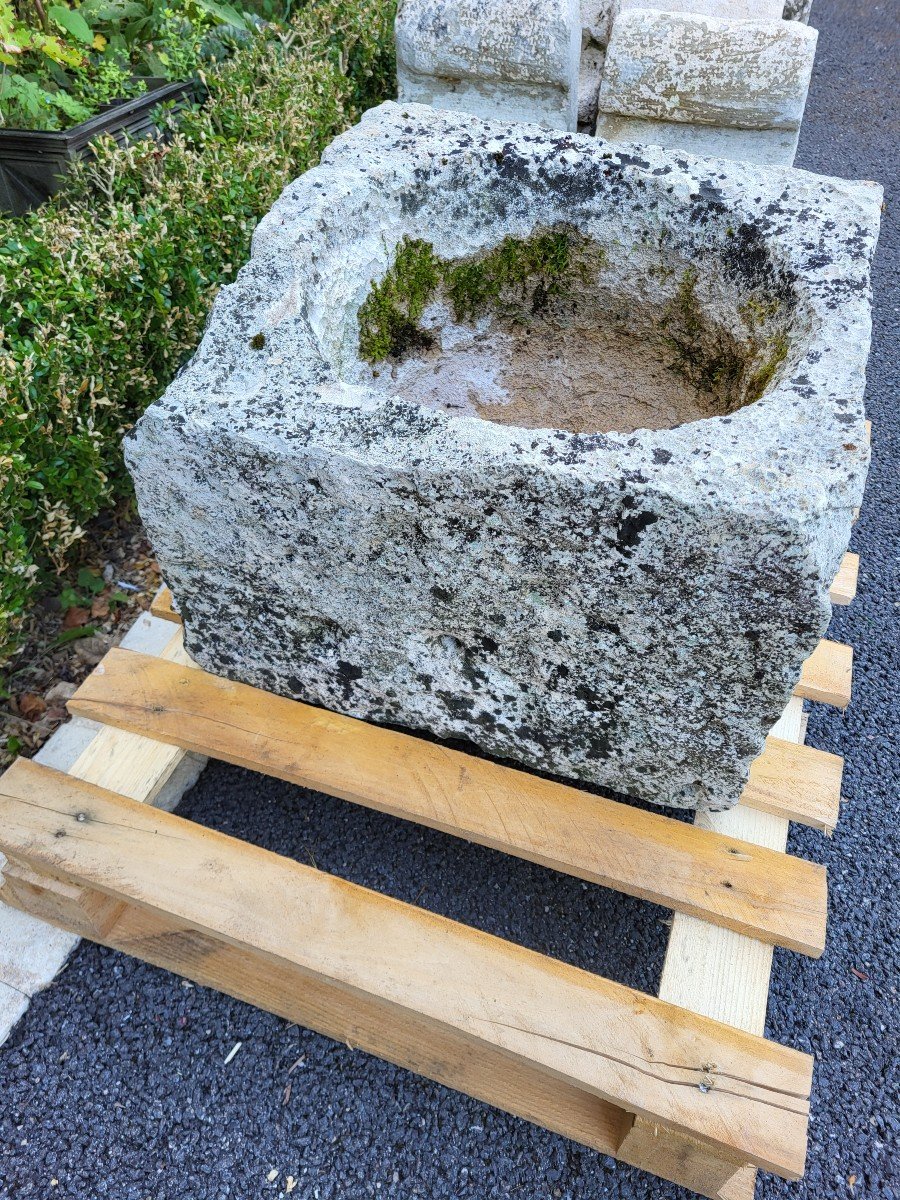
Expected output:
(729, 1089)
(771, 896)
(797, 782)
(794, 781)
(843, 590)
(677, 1157)
(719, 973)
(356, 1021)
(134, 766)
(162, 605)
(827, 675)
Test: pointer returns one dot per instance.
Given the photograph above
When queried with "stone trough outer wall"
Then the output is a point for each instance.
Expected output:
(631, 610)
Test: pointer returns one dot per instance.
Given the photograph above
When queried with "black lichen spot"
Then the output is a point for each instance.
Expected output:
(631, 526)
(441, 594)
(347, 673)
(257, 341)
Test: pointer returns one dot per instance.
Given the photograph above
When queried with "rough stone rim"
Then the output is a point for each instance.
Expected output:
(822, 461)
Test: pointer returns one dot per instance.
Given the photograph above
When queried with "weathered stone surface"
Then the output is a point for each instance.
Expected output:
(772, 147)
(514, 58)
(681, 67)
(797, 10)
(596, 21)
(746, 10)
(491, 533)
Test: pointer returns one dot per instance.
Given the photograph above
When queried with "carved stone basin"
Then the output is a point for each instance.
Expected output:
(515, 437)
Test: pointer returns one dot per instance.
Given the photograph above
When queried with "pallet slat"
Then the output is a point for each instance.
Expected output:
(843, 590)
(774, 897)
(719, 973)
(827, 675)
(163, 605)
(811, 778)
(740, 1093)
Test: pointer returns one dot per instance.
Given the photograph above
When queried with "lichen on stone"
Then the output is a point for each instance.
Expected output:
(731, 370)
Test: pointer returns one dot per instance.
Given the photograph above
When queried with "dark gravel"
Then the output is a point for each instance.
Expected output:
(115, 1084)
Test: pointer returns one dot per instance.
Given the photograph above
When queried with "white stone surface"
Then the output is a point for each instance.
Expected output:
(512, 58)
(13, 1005)
(681, 67)
(31, 951)
(747, 10)
(772, 147)
(596, 21)
(629, 608)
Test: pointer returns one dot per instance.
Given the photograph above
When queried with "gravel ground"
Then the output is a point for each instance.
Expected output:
(115, 1083)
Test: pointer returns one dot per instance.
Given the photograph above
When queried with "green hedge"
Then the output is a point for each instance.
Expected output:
(104, 291)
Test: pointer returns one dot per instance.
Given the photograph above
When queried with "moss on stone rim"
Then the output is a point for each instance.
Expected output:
(520, 271)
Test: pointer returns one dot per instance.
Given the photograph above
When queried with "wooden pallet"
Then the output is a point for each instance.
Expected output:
(682, 1085)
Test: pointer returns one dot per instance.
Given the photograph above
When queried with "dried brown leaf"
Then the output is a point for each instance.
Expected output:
(76, 617)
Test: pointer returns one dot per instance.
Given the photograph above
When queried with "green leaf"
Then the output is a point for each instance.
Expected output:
(74, 109)
(69, 598)
(90, 581)
(223, 13)
(13, 745)
(72, 22)
(72, 635)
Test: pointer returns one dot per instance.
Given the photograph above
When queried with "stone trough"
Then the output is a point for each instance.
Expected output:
(521, 438)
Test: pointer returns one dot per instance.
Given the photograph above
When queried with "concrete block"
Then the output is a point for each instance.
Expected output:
(513, 59)
(13, 1005)
(706, 70)
(776, 147)
(733, 10)
(31, 951)
(797, 10)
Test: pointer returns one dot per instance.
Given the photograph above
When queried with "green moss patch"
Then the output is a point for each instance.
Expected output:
(516, 278)
(716, 363)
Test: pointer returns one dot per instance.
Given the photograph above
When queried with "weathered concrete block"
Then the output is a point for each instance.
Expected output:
(682, 67)
(596, 21)
(772, 147)
(519, 437)
(732, 10)
(739, 10)
(511, 60)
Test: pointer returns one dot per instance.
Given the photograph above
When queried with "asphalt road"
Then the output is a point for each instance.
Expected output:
(115, 1083)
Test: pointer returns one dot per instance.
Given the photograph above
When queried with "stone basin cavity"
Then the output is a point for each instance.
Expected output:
(526, 439)
(555, 330)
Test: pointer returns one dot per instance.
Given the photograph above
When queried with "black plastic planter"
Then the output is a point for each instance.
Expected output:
(34, 163)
